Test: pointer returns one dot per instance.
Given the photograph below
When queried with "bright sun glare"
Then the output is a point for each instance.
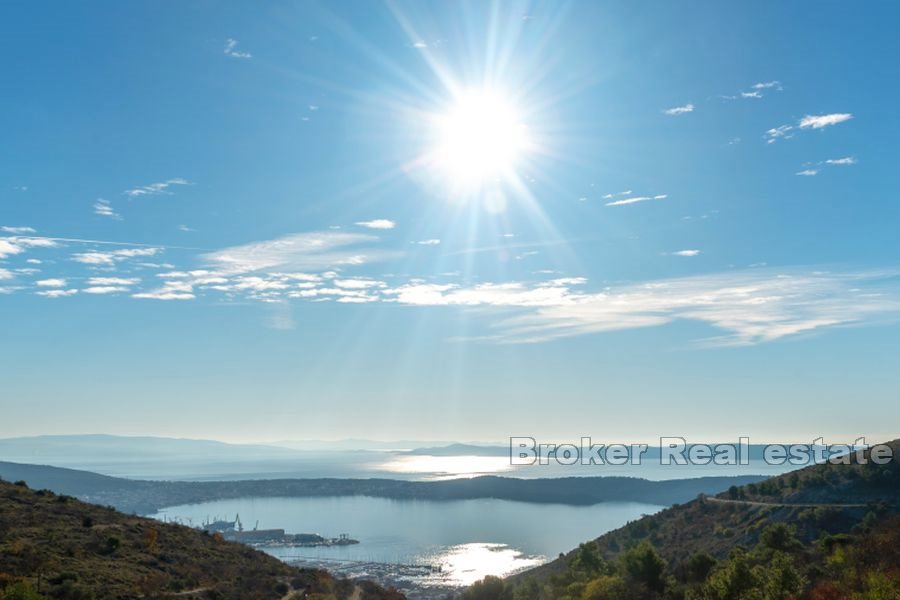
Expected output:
(480, 138)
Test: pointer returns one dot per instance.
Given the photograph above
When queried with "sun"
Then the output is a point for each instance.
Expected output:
(479, 139)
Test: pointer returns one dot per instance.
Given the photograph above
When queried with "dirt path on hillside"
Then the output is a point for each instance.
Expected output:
(793, 504)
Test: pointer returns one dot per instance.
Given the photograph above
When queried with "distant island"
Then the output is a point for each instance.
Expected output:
(148, 497)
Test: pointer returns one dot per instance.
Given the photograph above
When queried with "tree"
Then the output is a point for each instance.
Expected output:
(779, 536)
(699, 567)
(528, 590)
(733, 581)
(587, 562)
(643, 565)
(780, 579)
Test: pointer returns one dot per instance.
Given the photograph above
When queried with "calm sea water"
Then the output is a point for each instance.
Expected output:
(467, 538)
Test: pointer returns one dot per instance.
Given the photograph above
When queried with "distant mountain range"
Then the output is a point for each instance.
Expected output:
(99, 446)
(105, 447)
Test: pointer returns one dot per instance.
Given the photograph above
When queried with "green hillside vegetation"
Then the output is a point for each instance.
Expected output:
(826, 532)
(54, 546)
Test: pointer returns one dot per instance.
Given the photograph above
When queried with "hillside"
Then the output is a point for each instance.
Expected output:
(54, 546)
(146, 497)
(826, 527)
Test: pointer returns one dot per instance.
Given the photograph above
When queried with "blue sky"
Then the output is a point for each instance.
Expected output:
(461, 221)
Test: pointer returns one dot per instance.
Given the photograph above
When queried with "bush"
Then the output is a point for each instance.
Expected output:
(20, 591)
(489, 588)
(281, 588)
(607, 587)
(63, 577)
(112, 544)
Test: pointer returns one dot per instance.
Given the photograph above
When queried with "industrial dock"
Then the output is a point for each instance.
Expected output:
(234, 531)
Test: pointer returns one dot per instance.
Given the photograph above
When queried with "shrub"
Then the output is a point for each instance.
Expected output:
(63, 577)
(607, 587)
(112, 544)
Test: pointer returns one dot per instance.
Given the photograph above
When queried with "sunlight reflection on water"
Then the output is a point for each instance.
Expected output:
(445, 467)
(464, 564)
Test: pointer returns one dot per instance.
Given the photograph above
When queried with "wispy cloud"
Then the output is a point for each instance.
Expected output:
(814, 168)
(17, 230)
(112, 257)
(104, 209)
(807, 122)
(513, 294)
(299, 251)
(232, 51)
(170, 290)
(636, 199)
(679, 110)
(780, 132)
(431, 242)
(106, 289)
(377, 224)
(6, 274)
(756, 90)
(116, 281)
(686, 253)
(56, 293)
(820, 121)
(847, 160)
(750, 307)
(155, 189)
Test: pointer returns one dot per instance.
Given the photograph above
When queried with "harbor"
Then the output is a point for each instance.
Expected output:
(234, 531)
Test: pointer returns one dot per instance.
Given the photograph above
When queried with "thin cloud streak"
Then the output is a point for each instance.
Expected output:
(679, 110)
(636, 199)
(300, 251)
